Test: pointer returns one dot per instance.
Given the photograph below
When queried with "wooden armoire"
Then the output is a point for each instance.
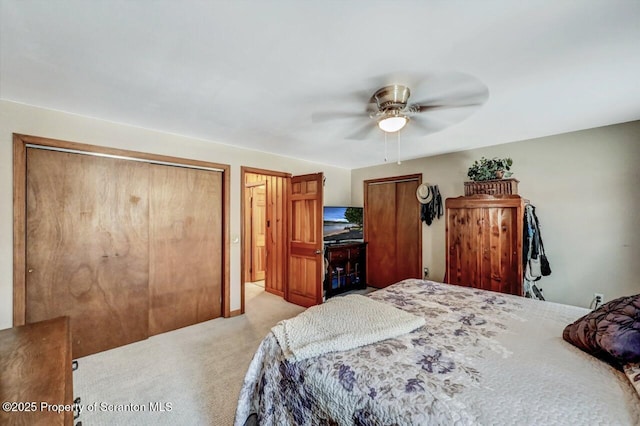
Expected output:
(484, 242)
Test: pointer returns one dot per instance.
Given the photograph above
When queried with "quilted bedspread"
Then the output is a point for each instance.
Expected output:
(481, 358)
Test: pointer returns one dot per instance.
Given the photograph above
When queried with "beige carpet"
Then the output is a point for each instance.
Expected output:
(194, 373)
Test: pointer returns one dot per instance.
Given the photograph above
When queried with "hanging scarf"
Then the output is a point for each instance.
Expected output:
(433, 209)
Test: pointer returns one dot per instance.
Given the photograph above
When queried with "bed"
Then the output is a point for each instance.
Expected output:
(481, 358)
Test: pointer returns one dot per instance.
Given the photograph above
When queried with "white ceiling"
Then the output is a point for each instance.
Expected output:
(252, 73)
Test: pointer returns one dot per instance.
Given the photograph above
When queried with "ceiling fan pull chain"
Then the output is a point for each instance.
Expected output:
(399, 162)
(385, 147)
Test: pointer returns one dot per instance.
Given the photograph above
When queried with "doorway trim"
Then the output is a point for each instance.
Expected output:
(244, 170)
(20, 143)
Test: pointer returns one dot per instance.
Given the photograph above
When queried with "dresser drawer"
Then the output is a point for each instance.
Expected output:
(338, 254)
(354, 252)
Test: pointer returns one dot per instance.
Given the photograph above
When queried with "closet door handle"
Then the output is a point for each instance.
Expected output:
(318, 251)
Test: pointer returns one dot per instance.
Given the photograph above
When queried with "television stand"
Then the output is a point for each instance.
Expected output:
(346, 268)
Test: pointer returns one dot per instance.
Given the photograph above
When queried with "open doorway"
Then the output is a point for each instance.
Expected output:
(264, 231)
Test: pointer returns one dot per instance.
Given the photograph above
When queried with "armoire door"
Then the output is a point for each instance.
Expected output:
(392, 230)
(305, 241)
(86, 247)
(484, 242)
(185, 250)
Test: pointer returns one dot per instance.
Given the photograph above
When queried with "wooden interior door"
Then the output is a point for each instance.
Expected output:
(305, 240)
(185, 247)
(86, 247)
(392, 230)
(276, 243)
(258, 232)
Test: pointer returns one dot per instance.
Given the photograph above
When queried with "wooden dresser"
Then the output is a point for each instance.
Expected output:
(484, 242)
(35, 370)
(347, 268)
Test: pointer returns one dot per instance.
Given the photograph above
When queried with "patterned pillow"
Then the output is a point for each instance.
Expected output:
(611, 332)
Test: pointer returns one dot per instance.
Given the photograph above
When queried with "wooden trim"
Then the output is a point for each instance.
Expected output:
(19, 230)
(226, 250)
(235, 313)
(415, 176)
(20, 142)
(286, 234)
(245, 169)
(36, 140)
(243, 207)
(482, 200)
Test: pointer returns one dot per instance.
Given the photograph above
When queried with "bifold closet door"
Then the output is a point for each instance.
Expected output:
(87, 247)
(185, 247)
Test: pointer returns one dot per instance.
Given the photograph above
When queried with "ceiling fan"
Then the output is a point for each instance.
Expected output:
(451, 98)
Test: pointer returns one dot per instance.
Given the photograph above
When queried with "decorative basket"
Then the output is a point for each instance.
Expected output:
(492, 187)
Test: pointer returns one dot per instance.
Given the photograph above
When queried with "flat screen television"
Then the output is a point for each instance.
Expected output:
(342, 224)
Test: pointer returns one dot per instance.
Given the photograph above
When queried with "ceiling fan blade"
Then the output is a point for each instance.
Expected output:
(414, 108)
(427, 125)
(321, 117)
(349, 97)
(466, 93)
(363, 132)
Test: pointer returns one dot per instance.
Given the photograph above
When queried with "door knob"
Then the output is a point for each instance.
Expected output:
(30, 270)
(318, 251)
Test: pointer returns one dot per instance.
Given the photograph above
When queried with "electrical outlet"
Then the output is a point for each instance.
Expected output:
(426, 272)
(598, 297)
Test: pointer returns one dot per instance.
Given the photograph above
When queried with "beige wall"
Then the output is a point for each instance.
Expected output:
(18, 118)
(585, 186)
(586, 189)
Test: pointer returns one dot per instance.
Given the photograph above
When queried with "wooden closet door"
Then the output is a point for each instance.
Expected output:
(408, 231)
(380, 222)
(185, 247)
(86, 247)
(393, 230)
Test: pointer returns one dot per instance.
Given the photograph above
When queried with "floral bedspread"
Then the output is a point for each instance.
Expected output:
(439, 374)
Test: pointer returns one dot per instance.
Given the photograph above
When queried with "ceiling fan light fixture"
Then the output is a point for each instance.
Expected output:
(392, 124)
